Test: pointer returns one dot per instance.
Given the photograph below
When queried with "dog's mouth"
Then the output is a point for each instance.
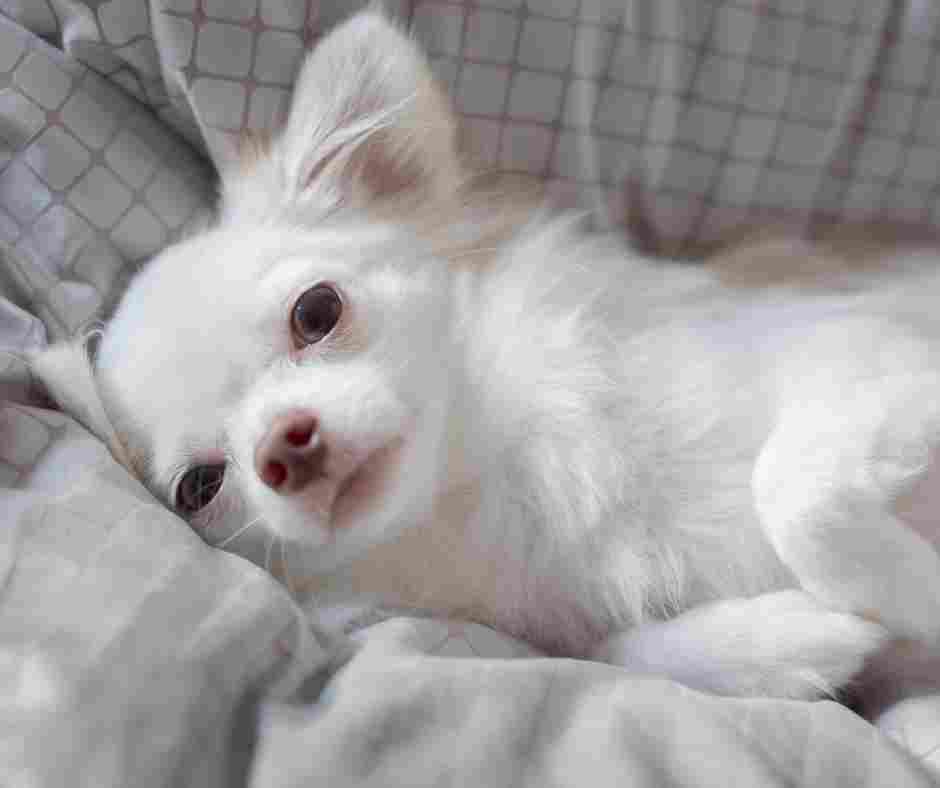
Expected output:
(363, 487)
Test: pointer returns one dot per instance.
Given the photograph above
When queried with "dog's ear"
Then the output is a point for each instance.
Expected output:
(65, 372)
(367, 121)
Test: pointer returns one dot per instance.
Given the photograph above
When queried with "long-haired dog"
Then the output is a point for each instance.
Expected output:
(458, 403)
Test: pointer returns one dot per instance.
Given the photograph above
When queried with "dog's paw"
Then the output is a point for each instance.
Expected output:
(802, 649)
(785, 644)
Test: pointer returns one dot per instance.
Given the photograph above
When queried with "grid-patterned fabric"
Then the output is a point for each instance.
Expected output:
(91, 184)
(679, 120)
(684, 119)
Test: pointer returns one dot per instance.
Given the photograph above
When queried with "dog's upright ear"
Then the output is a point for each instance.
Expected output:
(367, 122)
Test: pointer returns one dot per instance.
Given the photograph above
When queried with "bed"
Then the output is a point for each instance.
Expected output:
(137, 652)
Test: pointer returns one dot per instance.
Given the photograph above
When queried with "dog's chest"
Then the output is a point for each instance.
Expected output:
(564, 599)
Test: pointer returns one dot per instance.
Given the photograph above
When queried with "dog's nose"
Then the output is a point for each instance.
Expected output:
(291, 455)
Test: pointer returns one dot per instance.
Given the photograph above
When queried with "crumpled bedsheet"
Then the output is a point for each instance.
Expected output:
(135, 652)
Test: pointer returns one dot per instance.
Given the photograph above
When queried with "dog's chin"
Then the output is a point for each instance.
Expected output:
(365, 489)
(391, 488)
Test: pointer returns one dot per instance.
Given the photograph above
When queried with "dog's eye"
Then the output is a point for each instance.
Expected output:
(198, 487)
(315, 314)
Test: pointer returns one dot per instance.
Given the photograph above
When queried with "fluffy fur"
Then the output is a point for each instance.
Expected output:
(667, 467)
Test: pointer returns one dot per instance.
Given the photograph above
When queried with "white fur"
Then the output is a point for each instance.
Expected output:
(594, 444)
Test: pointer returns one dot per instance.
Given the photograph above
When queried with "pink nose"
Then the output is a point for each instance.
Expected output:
(291, 455)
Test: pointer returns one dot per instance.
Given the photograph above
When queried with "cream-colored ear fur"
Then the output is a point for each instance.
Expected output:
(66, 372)
(367, 122)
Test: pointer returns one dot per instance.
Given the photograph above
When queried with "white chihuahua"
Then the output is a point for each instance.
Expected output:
(478, 410)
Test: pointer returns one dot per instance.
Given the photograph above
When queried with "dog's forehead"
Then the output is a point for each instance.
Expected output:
(178, 339)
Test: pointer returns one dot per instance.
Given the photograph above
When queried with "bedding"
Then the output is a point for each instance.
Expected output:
(136, 652)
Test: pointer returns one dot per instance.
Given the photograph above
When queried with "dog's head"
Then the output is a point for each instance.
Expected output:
(291, 362)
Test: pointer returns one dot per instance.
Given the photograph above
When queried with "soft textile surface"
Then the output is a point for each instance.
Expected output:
(726, 110)
(134, 654)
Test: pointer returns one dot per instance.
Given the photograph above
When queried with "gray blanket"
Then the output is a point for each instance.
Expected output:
(134, 652)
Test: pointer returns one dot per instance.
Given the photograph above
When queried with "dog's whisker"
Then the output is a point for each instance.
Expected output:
(203, 486)
(288, 580)
(268, 551)
(15, 356)
(232, 537)
(228, 451)
(475, 252)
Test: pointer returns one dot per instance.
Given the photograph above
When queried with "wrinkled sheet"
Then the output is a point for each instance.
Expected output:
(133, 652)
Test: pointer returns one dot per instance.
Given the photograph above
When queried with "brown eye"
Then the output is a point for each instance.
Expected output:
(315, 314)
(198, 487)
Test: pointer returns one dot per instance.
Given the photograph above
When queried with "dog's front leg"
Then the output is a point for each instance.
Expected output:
(784, 644)
(826, 484)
